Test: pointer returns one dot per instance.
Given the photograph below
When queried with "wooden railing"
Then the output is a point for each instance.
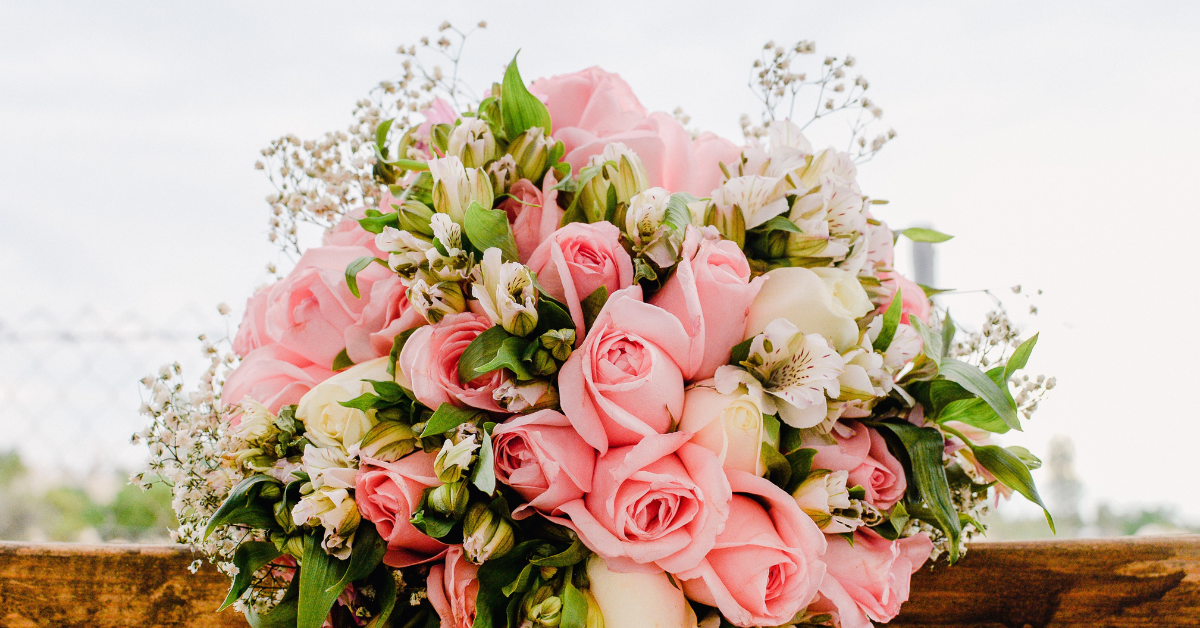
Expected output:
(1112, 582)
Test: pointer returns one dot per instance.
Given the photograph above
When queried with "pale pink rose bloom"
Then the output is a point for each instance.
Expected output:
(593, 108)
(452, 588)
(654, 506)
(347, 232)
(252, 333)
(766, 565)
(862, 452)
(430, 361)
(913, 301)
(272, 376)
(710, 292)
(387, 494)
(624, 383)
(544, 460)
(579, 258)
(534, 213)
(386, 314)
(872, 577)
(308, 311)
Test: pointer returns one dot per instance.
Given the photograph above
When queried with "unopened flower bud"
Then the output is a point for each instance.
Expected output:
(486, 534)
(527, 397)
(271, 491)
(450, 499)
(503, 172)
(455, 458)
(472, 142)
(544, 363)
(531, 151)
(559, 342)
(388, 441)
(624, 169)
(293, 544)
(283, 516)
(455, 187)
(414, 216)
(730, 222)
(645, 214)
(543, 608)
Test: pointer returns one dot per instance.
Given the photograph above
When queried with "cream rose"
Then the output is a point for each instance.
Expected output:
(327, 423)
(638, 600)
(828, 302)
(732, 426)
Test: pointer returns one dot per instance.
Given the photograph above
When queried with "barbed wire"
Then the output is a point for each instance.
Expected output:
(69, 391)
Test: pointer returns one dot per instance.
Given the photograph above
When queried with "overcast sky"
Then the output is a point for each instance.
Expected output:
(1056, 141)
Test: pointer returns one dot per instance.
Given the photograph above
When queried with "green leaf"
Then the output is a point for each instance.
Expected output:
(342, 361)
(592, 306)
(975, 381)
(929, 292)
(948, 331)
(1026, 456)
(520, 110)
(931, 343)
(446, 418)
(243, 508)
(510, 356)
(1010, 471)
(494, 576)
(319, 572)
(397, 347)
(487, 228)
(284, 613)
(375, 221)
(740, 352)
(390, 392)
(484, 475)
(385, 594)
(482, 350)
(779, 470)
(1019, 358)
(800, 462)
(570, 556)
(975, 412)
(357, 266)
(891, 319)
(921, 234)
(249, 557)
(365, 556)
(432, 524)
(780, 223)
(678, 215)
(923, 448)
(575, 607)
(552, 314)
(381, 132)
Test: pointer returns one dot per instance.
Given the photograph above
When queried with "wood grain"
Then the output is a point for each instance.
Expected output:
(1117, 582)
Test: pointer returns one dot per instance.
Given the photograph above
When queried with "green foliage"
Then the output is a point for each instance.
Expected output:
(520, 110)
(891, 319)
(592, 306)
(249, 557)
(484, 475)
(920, 449)
(920, 234)
(448, 417)
(243, 506)
(486, 228)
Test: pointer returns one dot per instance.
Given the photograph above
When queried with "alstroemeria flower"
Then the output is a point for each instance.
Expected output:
(506, 293)
(788, 372)
(759, 198)
(456, 263)
(455, 187)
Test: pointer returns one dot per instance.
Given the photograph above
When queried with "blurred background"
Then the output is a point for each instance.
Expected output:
(1056, 141)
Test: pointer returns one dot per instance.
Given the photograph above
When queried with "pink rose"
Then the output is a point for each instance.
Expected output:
(430, 361)
(544, 460)
(347, 232)
(654, 506)
(308, 311)
(872, 577)
(387, 493)
(913, 301)
(272, 376)
(623, 382)
(386, 314)
(452, 588)
(862, 452)
(594, 108)
(766, 565)
(252, 333)
(534, 213)
(579, 258)
(710, 292)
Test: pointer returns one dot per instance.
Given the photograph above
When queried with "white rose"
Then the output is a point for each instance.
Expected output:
(828, 304)
(327, 423)
(255, 421)
(638, 600)
(732, 426)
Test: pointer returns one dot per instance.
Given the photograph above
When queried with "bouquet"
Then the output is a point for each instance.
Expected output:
(558, 361)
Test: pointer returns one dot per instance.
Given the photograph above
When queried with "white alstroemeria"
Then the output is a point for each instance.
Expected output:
(830, 219)
(472, 142)
(455, 187)
(828, 166)
(334, 510)
(645, 215)
(328, 467)
(506, 293)
(794, 370)
(455, 458)
(821, 493)
(626, 172)
(533, 395)
(864, 377)
(787, 151)
(436, 301)
(255, 422)
(503, 172)
(406, 251)
(531, 152)
(456, 263)
(758, 197)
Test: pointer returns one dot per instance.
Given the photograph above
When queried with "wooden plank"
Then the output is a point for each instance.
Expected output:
(1147, 581)
(109, 586)
(1112, 582)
